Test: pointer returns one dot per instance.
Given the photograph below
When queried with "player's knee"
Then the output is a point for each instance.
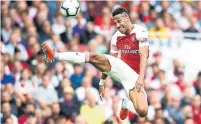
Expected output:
(142, 111)
(93, 57)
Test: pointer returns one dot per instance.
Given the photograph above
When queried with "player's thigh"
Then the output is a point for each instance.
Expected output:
(121, 72)
(100, 61)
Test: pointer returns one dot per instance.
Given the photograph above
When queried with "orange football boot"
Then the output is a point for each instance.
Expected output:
(123, 112)
(49, 52)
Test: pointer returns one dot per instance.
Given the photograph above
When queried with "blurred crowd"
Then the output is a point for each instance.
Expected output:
(35, 92)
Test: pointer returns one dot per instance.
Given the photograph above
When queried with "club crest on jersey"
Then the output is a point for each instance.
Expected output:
(132, 38)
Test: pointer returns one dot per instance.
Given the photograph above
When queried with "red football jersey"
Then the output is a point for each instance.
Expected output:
(128, 46)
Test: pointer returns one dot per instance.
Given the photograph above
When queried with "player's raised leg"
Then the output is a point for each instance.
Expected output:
(98, 60)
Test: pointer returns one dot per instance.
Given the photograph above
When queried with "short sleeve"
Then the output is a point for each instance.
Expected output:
(142, 36)
(113, 44)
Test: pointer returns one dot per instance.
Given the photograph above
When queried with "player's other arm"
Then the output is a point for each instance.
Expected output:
(142, 37)
(144, 53)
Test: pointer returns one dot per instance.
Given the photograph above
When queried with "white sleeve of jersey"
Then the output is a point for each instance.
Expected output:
(113, 44)
(142, 36)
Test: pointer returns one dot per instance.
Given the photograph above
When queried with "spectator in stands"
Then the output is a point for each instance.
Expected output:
(188, 112)
(49, 120)
(29, 108)
(189, 121)
(79, 28)
(39, 72)
(109, 84)
(80, 120)
(105, 29)
(197, 84)
(180, 81)
(159, 121)
(144, 12)
(4, 8)
(9, 120)
(67, 35)
(45, 93)
(14, 44)
(17, 70)
(6, 76)
(6, 113)
(88, 33)
(55, 107)
(92, 112)
(31, 30)
(7, 97)
(58, 27)
(176, 33)
(46, 32)
(62, 120)
(77, 77)
(161, 114)
(159, 31)
(193, 28)
(7, 29)
(106, 12)
(134, 16)
(174, 110)
(39, 20)
(70, 106)
(188, 93)
(31, 119)
(196, 107)
(25, 86)
(57, 43)
(64, 83)
(86, 85)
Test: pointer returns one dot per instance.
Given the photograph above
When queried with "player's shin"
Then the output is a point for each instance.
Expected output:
(74, 57)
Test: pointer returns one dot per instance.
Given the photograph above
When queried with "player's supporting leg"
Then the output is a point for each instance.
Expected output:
(137, 105)
(98, 60)
(139, 100)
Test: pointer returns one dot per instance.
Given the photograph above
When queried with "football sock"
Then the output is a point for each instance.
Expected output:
(127, 104)
(74, 57)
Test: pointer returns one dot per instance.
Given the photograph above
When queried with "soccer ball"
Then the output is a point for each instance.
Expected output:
(70, 8)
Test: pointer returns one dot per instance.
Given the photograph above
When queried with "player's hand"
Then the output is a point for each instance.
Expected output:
(101, 91)
(139, 85)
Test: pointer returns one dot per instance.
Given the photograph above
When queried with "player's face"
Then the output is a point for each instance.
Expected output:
(121, 22)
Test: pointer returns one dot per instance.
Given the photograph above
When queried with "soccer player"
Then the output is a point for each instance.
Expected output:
(131, 41)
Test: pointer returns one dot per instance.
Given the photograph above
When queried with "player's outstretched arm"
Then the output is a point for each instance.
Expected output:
(101, 86)
(144, 53)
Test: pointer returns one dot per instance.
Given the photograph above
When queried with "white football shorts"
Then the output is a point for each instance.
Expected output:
(122, 73)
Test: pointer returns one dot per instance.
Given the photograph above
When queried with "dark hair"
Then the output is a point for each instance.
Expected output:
(31, 114)
(119, 10)
(199, 74)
